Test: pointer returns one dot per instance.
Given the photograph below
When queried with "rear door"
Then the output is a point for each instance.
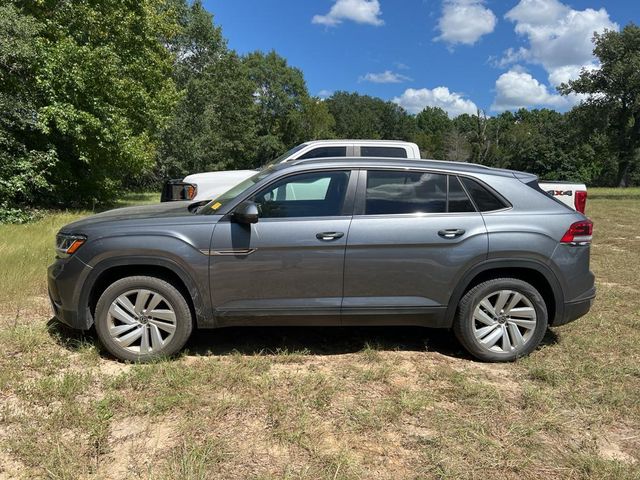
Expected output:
(412, 236)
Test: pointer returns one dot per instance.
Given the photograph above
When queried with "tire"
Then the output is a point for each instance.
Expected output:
(142, 318)
(481, 327)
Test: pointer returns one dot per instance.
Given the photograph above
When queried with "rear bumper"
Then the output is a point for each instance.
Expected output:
(577, 308)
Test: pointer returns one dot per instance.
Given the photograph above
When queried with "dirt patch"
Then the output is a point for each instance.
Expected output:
(136, 444)
(112, 368)
(621, 444)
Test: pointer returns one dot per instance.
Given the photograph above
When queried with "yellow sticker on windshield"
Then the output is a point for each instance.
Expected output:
(216, 206)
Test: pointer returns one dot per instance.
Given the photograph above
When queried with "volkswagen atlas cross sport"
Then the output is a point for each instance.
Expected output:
(348, 241)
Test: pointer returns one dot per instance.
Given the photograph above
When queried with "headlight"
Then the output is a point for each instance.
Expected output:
(67, 245)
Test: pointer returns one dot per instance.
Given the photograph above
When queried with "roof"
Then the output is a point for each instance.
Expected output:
(351, 162)
(342, 141)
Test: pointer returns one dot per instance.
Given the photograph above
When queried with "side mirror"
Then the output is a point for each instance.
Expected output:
(246, 212)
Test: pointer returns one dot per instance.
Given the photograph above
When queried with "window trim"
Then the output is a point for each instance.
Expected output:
(360, 200)
(473, 205)
(361, 195)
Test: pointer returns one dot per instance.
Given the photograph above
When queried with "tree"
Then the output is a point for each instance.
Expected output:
(213, 125)
(457, 148)
(101, 93)
(26, 157)
(362, 116)
(280, 95)
(314, 121)
(432, 126)
(537, 142)
(433, 120)
(614, 89)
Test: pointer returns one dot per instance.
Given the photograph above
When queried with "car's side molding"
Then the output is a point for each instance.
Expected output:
(490, 265)
(200, 301)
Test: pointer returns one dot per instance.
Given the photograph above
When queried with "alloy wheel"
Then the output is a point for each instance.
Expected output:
(141, 321)
(504, 321)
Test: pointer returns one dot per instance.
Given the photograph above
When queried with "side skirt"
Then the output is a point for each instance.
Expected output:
(434, 317)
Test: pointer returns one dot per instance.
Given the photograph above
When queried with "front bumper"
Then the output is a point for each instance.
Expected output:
(576, 308)
(64, 280)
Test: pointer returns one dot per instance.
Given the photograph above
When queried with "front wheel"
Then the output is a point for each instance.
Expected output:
(141, 318)
(501, 320)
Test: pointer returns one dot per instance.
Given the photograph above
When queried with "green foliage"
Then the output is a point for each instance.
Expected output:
(213, 125)
(26, 157)
(315, 121)
(614, 91)
(86, 87)
(280, 95)
(362, 116)
(98, 97)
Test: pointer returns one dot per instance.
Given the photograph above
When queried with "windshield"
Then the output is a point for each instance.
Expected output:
(214, 205)
(285, 155)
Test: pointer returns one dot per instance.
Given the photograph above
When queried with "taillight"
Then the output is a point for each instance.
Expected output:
(580, 233)
(580, 201)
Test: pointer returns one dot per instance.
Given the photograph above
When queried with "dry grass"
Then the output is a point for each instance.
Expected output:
(324, 403)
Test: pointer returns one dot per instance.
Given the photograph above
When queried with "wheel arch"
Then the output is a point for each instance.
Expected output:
(110, 270)
(537, 274)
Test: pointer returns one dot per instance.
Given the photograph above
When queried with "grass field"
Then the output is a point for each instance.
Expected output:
(350, 403)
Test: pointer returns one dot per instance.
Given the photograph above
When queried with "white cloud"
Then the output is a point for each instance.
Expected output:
(359, 11)
(559, 37)
(518, 89)
(465, 21)
(510, 56)
(324, 93)
(384, 77)
(415, 100)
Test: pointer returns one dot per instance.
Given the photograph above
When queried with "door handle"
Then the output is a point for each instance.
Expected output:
(327, 236)
(451, 232)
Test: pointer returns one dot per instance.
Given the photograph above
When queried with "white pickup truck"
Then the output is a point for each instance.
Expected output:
(208, 185)
(205, 186)
(573, 195)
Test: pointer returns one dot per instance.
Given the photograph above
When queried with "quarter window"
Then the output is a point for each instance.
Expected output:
(325, 152)
(318, 194)
(392, 152)
(485, 200)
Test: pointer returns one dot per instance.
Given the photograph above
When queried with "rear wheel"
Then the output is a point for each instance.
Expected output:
(141, 318)
(501, 320)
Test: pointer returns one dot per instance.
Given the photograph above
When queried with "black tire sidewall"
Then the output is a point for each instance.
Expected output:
(184, 322)
(463, 324)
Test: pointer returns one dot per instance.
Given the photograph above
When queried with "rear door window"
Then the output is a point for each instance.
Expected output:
(458, 199)
(391, 152)
(390, 192)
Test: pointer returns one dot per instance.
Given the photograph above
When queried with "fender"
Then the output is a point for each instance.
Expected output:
(200, 301)
(493, 264)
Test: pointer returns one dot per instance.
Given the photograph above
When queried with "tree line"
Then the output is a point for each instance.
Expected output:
(99, 97)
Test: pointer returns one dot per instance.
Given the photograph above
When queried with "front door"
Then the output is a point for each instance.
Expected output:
(413, 234)
(288, 267)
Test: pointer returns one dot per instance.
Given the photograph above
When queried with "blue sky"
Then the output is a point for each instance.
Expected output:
(456, 54)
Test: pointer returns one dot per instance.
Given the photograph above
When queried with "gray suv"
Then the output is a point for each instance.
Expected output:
(348, 241)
